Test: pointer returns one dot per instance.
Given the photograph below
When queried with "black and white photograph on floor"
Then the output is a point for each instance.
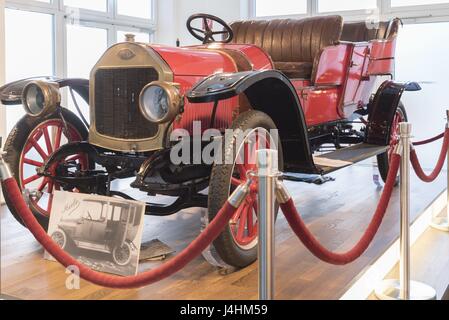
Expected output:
(102, 233)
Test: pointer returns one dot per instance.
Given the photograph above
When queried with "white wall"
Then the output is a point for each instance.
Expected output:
(2, 72)
(173, 14)
(2, 61)
(422, 56)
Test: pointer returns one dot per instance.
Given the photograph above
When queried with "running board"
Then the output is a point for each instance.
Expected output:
(346, 157)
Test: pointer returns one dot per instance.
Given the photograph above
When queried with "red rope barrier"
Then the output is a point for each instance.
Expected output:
(309, 240)
(420, 143)
(167, 269)
(436, 172)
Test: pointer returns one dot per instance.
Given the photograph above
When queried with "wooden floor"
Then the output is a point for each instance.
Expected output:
(429, 261)
(337, 212)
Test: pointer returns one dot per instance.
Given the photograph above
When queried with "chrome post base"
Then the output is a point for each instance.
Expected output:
(391, 290)
(440, 223)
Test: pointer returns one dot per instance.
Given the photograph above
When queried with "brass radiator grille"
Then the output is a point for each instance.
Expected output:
(117, 112)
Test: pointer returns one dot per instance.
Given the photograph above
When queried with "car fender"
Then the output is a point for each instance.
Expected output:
(383, 108)
(11, 93)
(271, 92)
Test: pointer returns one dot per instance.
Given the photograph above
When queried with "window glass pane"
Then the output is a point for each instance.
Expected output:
(404, 3)
(29, 51)
(266, 8)
(85, 46)
(97, 5)
(135, 8)
(140, 36)
(426, 61)
(346, 5)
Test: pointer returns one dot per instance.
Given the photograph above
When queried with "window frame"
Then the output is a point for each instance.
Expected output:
(129, 29)
(2, 80)
(409, 14)
(120, 17)
(252, 9)
(109, 20)
(425, 7)
(351, 13)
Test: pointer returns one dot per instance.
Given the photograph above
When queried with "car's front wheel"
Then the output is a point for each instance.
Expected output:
(29, 146)
(60, 238)
(237, 244)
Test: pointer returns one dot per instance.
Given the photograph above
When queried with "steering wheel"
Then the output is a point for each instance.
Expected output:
(206, 35)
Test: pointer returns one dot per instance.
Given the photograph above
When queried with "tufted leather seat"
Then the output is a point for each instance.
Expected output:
(294, 45)
(359, 31)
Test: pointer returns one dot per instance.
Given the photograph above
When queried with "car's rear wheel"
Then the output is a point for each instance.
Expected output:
(237, 244)
(29, 146)
(122, 254)
(383, 160)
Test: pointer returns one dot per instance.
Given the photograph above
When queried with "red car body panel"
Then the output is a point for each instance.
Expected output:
(257, 57)
(202, 111)
(192, 64)
(344, 78)
(195, 61)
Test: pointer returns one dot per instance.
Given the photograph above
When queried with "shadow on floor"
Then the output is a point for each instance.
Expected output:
(446, 295)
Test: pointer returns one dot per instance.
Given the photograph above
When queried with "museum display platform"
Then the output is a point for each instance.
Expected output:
(337, 212)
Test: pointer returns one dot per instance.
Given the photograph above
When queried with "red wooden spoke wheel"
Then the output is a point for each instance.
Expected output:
(383, 160)
(244, 224)
(237, 244)
(46, 138)
(29, 145)
(395, 132)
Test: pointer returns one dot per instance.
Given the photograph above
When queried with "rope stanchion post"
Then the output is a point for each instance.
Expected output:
(267, 165)
(442, 222)
(5, 173)
(404, 288)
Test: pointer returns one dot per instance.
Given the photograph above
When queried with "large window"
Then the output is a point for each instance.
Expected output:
(81, 61)
(135, 8)
(45, 37)
(140, 36)
(346, 5)
(96, 5)
(404, 3)
(29, 50)
(352, 9)
(266, 8)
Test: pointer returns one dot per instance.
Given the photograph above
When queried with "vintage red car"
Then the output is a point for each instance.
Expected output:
(318, 81)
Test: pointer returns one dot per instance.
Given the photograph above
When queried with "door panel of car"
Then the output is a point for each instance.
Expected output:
(358, 65)
(98, 231)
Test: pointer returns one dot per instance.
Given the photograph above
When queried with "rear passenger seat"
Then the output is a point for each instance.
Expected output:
(359, 31)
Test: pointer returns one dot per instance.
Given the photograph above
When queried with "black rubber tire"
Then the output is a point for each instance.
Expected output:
(219, 188)
(383, 161)
(15, 144)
